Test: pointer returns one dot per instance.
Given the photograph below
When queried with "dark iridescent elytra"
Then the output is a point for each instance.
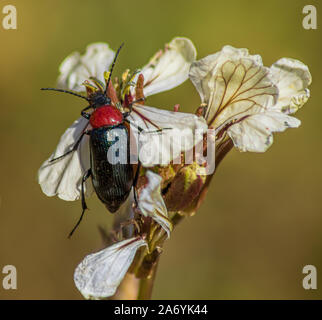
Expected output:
(112, 182)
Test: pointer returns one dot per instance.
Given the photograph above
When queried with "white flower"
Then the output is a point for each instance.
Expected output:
(76, 68)
(99, 274)
(247, 100)
(292, 78)
(167, 69)
(178, 136)
(64, 177)
(151, 202)
(254, 133)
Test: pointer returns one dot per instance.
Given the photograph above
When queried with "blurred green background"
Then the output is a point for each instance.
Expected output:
(261, 221)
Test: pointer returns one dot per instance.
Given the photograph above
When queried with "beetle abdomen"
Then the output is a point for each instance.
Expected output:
(112, 181)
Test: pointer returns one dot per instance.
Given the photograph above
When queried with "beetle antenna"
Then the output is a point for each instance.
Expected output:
(112, 67)
(66, 91)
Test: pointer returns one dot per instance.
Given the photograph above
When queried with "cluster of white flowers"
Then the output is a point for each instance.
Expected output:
(242, 101)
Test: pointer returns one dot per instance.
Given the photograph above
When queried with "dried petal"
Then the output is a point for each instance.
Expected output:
(100, 273)
(151, 202)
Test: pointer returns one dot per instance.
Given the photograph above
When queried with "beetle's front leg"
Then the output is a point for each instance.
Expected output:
(74, 148)
(130, 106)
(85, 114)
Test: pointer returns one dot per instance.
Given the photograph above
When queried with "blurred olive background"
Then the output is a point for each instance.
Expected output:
(261, 221)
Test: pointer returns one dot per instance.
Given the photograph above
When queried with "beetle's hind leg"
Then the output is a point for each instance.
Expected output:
(129, 223)
(76, 145)
(135, 181)
(86, 175)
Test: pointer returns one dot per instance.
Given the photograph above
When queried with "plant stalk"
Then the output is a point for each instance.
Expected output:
(146, 284)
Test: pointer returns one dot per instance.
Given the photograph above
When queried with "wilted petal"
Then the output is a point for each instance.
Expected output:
(169, 68)
(292, 78)
(232, 84)
(254, 133)
(162, 146)
(77, 68)
(100, 273)
(64, 176)
(151, 202)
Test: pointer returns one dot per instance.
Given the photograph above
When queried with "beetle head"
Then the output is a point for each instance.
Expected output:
(98, 99)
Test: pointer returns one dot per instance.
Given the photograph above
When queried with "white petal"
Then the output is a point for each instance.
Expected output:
(100, 273)
(178, 133)
(76, 68)
(169, 68)
(254, 133)
(63, 177)
(151, 202)
(292, 78)
(232, 84)
(124, 214)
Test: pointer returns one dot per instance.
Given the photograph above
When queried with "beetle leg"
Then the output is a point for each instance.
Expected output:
(141, 129)
(134, 125)
(129, 223)
(85, 114)
(135, 181)
(86, 175)
(126, 114)
(135, 101)
(74, 147)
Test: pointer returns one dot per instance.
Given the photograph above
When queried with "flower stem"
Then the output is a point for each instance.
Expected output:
(146, 284)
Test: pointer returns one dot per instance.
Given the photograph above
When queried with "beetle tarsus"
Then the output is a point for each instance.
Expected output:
(85, 114)
(87, 174)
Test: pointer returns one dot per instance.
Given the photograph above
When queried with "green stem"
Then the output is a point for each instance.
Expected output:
(146, 284)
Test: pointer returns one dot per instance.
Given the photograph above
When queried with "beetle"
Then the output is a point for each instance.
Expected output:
(65, 174)
(112, 182)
